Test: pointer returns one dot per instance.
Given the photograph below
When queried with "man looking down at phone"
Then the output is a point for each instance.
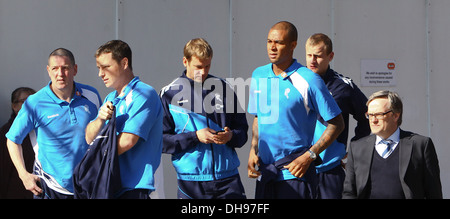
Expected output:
(203, 124)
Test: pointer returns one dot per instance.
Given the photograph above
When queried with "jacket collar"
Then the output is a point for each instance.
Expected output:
(405, 146)
(126, 91)
(183, 75)
(48, 90)
(288, 72)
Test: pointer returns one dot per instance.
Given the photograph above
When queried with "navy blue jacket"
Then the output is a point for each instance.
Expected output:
(351, 100)
(189, 107)
(97, 176)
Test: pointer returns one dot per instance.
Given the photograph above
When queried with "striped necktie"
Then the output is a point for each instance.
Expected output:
(388, 150)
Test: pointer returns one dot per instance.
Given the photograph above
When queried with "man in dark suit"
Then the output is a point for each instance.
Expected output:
(391, 163)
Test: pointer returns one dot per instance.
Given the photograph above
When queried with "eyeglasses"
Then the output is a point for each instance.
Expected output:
(377, 115)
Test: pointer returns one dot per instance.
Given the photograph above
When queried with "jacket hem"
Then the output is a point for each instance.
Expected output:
(207, 177)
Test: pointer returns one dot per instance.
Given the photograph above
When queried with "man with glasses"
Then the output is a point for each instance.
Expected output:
(391, 163)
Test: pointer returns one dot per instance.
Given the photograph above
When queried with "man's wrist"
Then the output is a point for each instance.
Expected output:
(312, 155)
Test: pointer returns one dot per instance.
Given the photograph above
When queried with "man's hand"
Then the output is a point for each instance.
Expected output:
(206, 135)
(29, 181)
(253, 161)
(299, 166)
(94, 127)
(106, 111)
(223, 137)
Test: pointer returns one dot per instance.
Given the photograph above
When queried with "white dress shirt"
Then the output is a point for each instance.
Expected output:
(380, 147)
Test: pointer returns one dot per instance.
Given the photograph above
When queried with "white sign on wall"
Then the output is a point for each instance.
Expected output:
(378, 72)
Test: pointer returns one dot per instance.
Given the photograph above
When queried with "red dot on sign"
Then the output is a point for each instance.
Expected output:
(391, 66)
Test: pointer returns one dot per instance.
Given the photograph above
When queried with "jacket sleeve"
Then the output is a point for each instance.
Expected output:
(349, 191)
(174, 143)
(432, 173)
(239, 128)
(359, 110)
(239, 125)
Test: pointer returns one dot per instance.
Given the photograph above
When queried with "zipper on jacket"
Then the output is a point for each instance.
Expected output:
(212, 152)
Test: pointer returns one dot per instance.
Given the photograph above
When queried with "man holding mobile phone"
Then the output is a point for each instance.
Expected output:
(202, 126)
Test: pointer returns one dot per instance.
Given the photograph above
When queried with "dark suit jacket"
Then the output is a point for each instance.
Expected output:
(418, 167)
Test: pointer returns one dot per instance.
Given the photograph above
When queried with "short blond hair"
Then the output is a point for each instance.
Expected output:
(199, 48)
(317, 38)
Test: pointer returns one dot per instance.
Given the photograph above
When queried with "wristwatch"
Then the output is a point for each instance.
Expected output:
(312, 155)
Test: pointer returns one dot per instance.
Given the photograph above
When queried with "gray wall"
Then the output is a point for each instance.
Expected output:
(412, 32)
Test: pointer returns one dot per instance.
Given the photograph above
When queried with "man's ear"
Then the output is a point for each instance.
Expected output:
(331, 56)
(124, 63)
(75, 67)
(185, 61)
(396, 116)
(293, 45)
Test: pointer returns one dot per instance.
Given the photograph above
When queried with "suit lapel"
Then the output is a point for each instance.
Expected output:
(366, 161)
(405, 145)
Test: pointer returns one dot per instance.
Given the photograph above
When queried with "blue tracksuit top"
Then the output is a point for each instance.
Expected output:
(190, 106)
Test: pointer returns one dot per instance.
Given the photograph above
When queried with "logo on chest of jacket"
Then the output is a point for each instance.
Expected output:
(286, 93)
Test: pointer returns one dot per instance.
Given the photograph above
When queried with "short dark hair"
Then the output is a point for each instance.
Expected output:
(15, 95)
(291, 29)
(63, 52)
(119, 50)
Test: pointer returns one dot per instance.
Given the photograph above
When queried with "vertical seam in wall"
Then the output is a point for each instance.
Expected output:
(428, 32)
(332, 26)
(118, 18)
(230, 44)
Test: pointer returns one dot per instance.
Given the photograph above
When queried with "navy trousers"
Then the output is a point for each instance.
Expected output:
(331, 183)
(48, 193)
(228, 188)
